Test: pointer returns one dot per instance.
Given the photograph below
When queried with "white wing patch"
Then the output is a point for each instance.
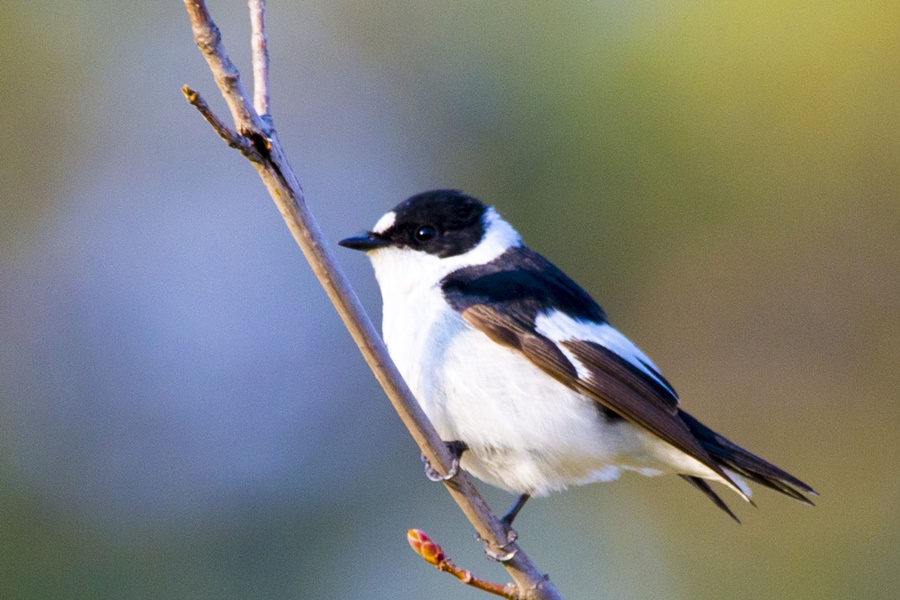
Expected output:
(560, 327)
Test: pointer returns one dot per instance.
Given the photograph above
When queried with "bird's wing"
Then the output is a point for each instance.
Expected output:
(599, 372)
(520, 299)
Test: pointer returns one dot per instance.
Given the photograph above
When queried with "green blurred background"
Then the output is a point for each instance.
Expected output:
(183, 416)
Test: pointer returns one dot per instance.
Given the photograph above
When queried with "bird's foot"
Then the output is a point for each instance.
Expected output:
(514, 510)
(502, 554)
(456, 449)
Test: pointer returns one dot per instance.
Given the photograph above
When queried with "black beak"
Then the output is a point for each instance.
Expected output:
(365, 242)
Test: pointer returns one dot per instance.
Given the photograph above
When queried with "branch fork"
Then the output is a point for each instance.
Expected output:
(253, 134)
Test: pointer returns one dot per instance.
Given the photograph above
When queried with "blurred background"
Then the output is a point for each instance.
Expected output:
(182, 414)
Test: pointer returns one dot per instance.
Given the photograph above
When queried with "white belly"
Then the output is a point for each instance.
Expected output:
(526, 432)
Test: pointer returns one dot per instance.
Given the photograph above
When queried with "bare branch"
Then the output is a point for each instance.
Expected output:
(260, 51)
(285, 190)
(228, 78)
(433, 554)
(234, 139)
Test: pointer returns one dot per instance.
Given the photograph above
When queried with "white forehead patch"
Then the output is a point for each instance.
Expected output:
(385, 222)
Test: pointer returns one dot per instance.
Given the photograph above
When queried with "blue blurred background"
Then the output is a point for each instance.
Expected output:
(182, 414)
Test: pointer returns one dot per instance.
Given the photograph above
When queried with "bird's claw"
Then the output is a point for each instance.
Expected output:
(456, 449)
(432, 474)
(502, 557)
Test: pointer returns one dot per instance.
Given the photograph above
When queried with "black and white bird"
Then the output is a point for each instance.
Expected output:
(519, 369)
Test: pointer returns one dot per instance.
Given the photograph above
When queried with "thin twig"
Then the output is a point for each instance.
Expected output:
(260, 53)
(234, 139)
(228, 78)
(433, 554)
(285, 190)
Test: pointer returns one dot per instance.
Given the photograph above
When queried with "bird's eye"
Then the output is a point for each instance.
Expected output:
(425, 233)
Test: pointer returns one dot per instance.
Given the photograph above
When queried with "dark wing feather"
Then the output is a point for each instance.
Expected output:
(625, 391)
(707, 490)
(615, 366)
(745, 463)
(503, 299)
(537, 348)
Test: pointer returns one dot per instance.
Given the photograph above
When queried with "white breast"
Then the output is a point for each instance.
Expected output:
(526, 432)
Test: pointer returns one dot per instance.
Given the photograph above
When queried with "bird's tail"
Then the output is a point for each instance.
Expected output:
(744, 464)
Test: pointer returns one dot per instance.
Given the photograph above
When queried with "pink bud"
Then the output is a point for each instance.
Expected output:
(425, 547)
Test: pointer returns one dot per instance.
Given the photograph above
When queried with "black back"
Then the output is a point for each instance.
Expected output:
(522, 283)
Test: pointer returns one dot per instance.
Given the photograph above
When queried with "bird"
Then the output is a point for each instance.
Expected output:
(519, 369)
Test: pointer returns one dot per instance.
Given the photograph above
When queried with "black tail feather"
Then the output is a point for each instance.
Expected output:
(743, 462)
(704, 487)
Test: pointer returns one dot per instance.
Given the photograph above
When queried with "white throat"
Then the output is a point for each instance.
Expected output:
(404, 271)
(417, 319)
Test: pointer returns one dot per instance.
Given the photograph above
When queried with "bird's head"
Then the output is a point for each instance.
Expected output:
(430, 235)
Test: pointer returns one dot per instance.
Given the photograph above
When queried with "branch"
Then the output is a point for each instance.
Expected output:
(433, 554)
(259, 46)
(285, 190)
(228, 78)
(234, 139)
